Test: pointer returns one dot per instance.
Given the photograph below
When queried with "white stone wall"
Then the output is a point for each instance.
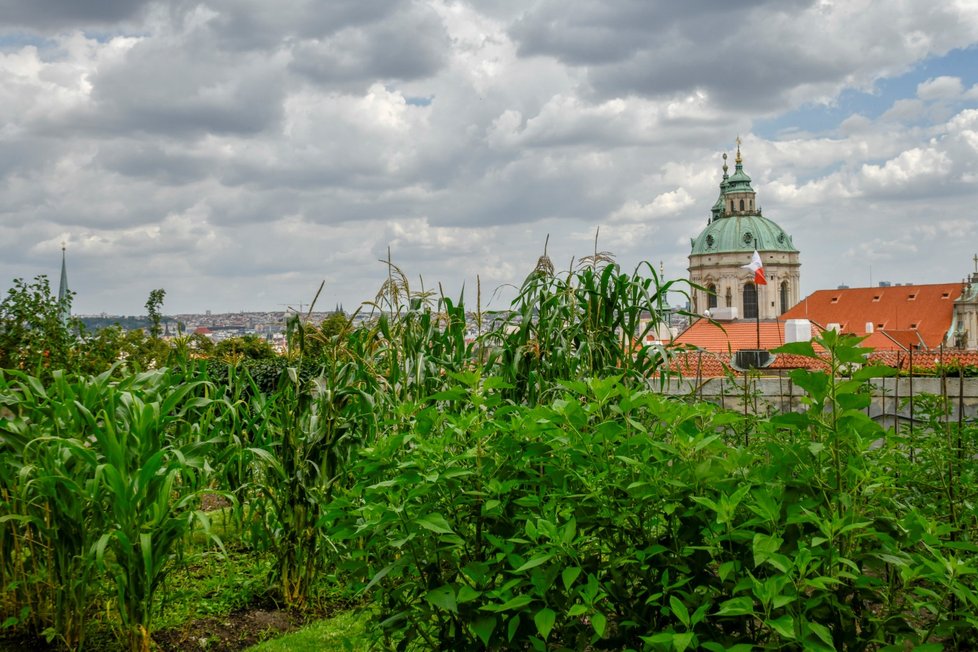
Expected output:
(966, 319)
(726, 272)
(889, 405)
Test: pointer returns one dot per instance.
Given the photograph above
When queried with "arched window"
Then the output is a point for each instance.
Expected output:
(711, 296)
(729, 297)
(750, 301)
(784, 297)
(731, 206)
(752, 204)
(741, 204)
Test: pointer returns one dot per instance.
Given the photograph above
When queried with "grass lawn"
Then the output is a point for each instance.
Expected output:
(342, 632)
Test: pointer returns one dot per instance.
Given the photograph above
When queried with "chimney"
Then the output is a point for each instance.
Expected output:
(797, 330)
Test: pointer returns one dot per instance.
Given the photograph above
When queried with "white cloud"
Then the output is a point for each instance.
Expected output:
(940, 88)
(914, 166)
(239, 151)
(665, 204)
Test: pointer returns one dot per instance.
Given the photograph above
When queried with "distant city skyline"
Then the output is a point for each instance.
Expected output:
(238, 154)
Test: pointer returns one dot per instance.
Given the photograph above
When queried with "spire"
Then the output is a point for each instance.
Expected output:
(725, 168)
(738, 182)
(717, 211)
(64, 299)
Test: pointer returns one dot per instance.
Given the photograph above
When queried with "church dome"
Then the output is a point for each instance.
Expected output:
(720, 261)
(742, 233)
(735, 224)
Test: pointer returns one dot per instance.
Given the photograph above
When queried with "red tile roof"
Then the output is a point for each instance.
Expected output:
(902, 311)
(925, 361)
(729, 336)
(710, 364)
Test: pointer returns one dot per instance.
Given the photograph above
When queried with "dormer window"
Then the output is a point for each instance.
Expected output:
(946, 295)
(876, 297)
(912, 297)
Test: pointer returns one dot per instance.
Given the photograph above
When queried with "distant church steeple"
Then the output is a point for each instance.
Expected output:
(64, 300)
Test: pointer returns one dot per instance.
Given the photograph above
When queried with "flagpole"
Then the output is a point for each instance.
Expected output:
(757, 267)
(758, 316)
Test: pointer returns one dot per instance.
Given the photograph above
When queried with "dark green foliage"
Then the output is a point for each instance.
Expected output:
(265, 373)
(154, 303)
(234, 350)
(526, 490)
(33, 337)
(100, 478)
(611, 518)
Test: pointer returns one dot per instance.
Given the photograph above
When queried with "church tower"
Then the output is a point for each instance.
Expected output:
(964, 329)
(735, 229)
(64, 300)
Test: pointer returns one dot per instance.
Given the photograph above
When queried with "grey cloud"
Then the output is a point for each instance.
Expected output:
(754, 80)
(597, 32)
(25, 155)
(154, 162)
(256, 24)
(745, 56)
(46, 15)
(408, 45)
(180, 88)
(241, 150)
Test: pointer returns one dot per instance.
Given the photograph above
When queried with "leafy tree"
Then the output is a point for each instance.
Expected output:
(246, 347)
(33, 336)
(99, 350)
(201, 344)
(334, 325)
(322, 341)
(153, 305)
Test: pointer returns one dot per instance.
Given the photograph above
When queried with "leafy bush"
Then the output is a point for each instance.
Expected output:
(613, 518)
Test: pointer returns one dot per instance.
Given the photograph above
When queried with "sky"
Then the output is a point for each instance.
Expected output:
(238, 153)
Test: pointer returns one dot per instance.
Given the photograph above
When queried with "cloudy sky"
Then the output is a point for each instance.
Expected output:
(238, 152)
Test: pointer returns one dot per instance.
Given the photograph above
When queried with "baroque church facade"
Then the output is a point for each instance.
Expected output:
(735, 229)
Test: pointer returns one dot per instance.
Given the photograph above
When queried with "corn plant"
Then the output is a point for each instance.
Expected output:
(153, 468)
(419, 337)
(592, 321)
(314, 426)
(107, 484)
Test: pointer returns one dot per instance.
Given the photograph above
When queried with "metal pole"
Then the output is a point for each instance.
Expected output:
(910, 392)
(758, 315)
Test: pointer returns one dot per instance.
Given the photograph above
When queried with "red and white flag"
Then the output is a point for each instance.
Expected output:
(757, 267)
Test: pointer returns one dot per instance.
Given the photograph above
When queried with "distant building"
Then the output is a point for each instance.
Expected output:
(895, 319)
(892, 317)
(736, 228)
(964, 331)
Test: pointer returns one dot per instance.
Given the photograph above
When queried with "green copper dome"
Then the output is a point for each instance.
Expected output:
(742, 233)
(739, 226)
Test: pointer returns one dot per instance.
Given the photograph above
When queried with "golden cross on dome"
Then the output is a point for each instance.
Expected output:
(738, 160)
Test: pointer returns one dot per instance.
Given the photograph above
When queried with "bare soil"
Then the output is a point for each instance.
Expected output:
(232, 632)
